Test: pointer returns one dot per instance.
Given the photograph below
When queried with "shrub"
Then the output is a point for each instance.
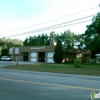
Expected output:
(77, 62)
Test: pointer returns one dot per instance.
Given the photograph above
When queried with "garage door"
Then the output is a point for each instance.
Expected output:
(50, 57)
(33, 56)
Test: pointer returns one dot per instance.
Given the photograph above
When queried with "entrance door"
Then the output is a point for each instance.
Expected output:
(41, 56)
(33, 56)
(25, 56)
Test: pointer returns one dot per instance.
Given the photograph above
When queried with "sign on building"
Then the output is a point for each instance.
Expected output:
(17, 51)
(11, 51)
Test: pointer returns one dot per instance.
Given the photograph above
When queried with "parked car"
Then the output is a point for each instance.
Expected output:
(6, 58)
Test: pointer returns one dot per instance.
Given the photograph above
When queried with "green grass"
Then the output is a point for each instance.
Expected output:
(85, 69)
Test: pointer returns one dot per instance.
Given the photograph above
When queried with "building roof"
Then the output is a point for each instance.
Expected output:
(78, 51)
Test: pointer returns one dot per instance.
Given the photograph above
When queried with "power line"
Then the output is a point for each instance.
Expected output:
(43, 12)
(35, 31)
(37, 9)
(51, 27)
(44, 5)
(53, 20)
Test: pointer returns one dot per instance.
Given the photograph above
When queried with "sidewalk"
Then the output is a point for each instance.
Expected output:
(11, 63)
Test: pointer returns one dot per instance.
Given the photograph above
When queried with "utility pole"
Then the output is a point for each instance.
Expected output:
(17, 59)
(17, 54)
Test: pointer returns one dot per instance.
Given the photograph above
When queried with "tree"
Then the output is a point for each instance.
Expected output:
(79, 42)
(68, 38)
(4, 50)
(26, 42)
(0, 50)
(45, 39)
(52, 35)
(58, 55)
(92, 35)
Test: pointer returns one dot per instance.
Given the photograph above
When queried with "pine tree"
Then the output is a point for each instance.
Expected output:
(58, 52)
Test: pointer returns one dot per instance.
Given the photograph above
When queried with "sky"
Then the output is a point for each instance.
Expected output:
(23, 18)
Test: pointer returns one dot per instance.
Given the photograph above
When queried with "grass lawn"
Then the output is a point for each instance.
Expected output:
(85, 69)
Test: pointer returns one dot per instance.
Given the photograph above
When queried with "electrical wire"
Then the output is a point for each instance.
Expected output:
(35, 10)
(35, 31)
(39, 7)
(52, 20)
(40, 13)
(52, 27)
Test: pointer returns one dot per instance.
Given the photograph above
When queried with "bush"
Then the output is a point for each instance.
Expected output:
(77, 62)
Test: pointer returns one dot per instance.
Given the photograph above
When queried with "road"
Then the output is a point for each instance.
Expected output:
(28, 85)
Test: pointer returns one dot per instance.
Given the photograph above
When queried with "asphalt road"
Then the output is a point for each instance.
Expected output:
(27, 85)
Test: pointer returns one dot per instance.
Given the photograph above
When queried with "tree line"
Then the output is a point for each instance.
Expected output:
(90, 39)
(68, 39)
(5, 44)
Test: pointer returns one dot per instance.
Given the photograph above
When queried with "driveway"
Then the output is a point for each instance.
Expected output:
(8, 63)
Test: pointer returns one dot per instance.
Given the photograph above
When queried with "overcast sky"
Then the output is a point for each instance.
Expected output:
(32, 17)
